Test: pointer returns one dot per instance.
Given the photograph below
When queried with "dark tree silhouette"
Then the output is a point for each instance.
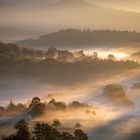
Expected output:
(11, 106)
(2, 109)
(95, 55)
(36, 108)
(116, 94)
(53, 104)
(76, 104)
(67, 136)
(43, 131)
(80, 135)
(111, 57)
(77, 125)
(56, 123)
(22, 132)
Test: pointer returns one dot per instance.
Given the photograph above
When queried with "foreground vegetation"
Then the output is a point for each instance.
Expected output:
(43, 131)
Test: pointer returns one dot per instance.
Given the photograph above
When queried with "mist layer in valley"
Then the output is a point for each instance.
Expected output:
(69, 70)
(104, 90)
(122, 44)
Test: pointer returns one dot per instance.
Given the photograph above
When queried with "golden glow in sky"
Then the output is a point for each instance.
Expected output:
(128, 5)
(104, 54)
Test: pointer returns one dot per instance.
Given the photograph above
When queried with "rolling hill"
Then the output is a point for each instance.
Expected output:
(78, 14)
(72, 38)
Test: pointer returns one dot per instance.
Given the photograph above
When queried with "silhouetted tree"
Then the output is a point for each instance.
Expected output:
(95, 55)
(76, 104)
(52, 53)
(36, 108)
(35, 100)
(117, 95)
(111, 57)
(56, 123)
(80, 135)
(22, 132)
(53, 104)
(43, 131)
(2, 109)
(77, 125)
(67, 136)
(21, 107)
(11, 106)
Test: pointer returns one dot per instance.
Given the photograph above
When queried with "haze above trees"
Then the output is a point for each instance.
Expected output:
(55, 66)
(40, 18)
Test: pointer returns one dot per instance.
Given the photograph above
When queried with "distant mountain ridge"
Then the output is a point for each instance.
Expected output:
(50, 15)
(82, 38)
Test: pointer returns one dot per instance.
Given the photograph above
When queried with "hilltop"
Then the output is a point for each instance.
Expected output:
(72, 38)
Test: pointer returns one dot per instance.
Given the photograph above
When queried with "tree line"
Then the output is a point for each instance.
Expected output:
(82, 38)
(13, 53)
(37, 108)
(43, 131)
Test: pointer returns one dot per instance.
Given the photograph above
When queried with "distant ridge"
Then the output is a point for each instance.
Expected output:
(49, 16)
(81, 38)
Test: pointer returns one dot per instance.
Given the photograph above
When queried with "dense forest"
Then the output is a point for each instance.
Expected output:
(54, 66)
(43, 131)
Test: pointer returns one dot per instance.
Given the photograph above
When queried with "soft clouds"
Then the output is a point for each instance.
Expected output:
(129, 5)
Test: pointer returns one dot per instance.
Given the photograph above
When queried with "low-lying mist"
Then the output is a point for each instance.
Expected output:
(79, 89)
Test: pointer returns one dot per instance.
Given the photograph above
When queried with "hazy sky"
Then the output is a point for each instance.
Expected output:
(130, 5)
(27, 18)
